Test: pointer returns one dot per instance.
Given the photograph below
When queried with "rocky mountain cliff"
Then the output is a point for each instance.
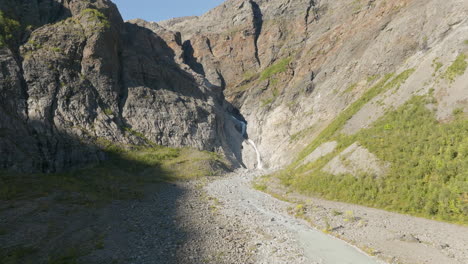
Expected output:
(292, 67)
(74, 73)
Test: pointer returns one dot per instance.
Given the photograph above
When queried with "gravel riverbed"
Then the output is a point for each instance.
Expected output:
(225, 220)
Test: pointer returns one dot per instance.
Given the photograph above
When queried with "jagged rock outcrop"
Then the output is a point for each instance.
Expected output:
(80, 74)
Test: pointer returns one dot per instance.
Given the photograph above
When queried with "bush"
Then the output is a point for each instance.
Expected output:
(121, 176)
(386, 83)
(429, 166)
(8, 29)
(95, 16)
(457, 68)
(278, 67)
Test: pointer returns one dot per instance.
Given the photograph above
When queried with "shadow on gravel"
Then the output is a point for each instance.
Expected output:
(63, 226)
(121, 210)
(145, 231)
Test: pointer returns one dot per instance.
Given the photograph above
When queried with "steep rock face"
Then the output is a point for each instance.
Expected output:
(303, 62)
(80, 74)
(77, 73)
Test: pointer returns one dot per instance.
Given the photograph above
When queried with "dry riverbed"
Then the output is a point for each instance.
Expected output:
(219, 220)
(392, 237)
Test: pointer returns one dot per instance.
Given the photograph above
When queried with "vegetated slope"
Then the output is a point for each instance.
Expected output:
(387, 76)
(73, 73)
(427, 175)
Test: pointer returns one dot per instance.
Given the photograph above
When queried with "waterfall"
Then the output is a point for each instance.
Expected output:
(259, 160)
(244, 135)
(243, 126)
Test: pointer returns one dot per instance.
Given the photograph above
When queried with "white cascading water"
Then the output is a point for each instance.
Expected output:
(259, 160)
(244, 130)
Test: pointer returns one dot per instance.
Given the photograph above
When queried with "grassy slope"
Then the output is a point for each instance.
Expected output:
(429, 161)
(120, 177)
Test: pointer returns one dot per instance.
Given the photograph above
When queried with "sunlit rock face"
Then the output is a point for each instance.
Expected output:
(75, 73)
(292, 66)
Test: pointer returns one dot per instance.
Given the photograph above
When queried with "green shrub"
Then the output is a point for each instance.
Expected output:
(121, 176)
(386, 83)
(301, 134)
(70, 256)
(278, 67)
(457, 68)
(17, 255)
(372, 78)
(437, 65)
(108, 111)
(56, 49)
(259, 186)
(457, 111)
(428, 175)
(267, 101)
(350, 88)
(95, 16)
(8, 29)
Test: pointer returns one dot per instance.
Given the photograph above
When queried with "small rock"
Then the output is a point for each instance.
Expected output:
(444, 246)
(409, 238)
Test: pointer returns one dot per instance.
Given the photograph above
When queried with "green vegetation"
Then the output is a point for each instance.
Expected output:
(386, 83)
(69, 257)
(136, 134)
(18, 255)
(56, 49)
(120, 177)
(28, 255)
(249, 75)
(357, 5)
(349, 216)
(457, 68)
(275, 94)
(466, 41)
(261, 186)
(8, 29)
(428, 175)
(457, 111)
(278, 67)
(97, 17)
(108, 111)
(350, 88)
(267, 101)
(372, 78)
(274, 81)
(34, 44)
(301, 134)
(437, 65)
(336, 213)
(99, 243)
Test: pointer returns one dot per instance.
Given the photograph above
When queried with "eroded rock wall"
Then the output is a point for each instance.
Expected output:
(79, 75)
(292, 66)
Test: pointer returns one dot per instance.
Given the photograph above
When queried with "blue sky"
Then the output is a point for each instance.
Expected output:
(157, 10)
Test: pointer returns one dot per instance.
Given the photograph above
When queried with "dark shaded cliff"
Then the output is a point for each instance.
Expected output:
(74, 73)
